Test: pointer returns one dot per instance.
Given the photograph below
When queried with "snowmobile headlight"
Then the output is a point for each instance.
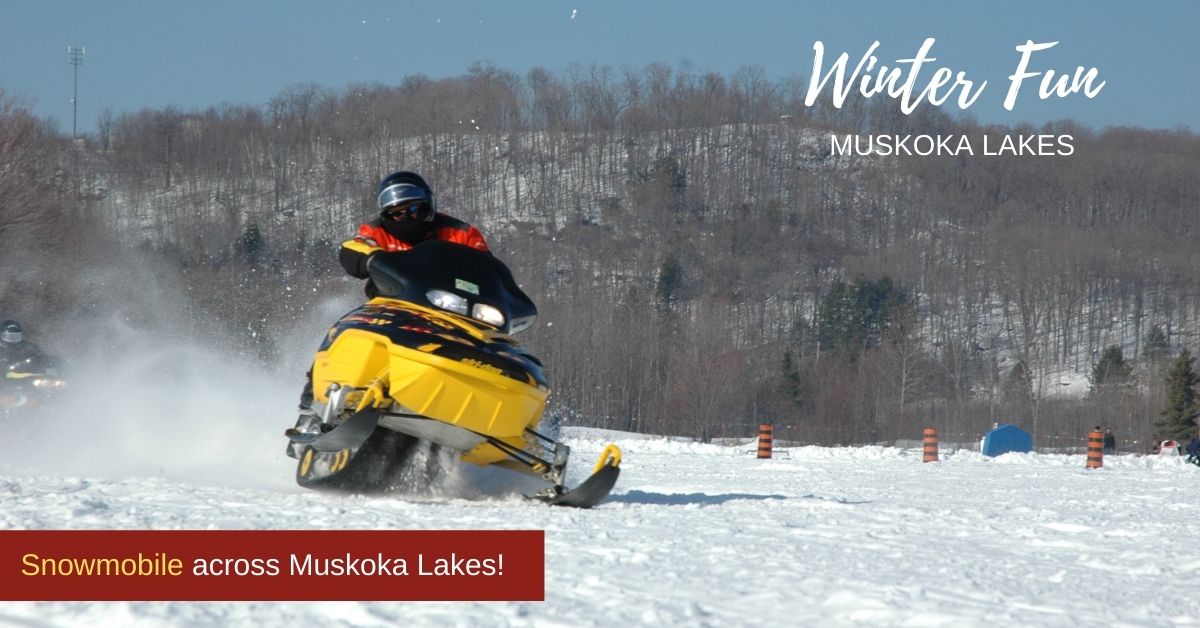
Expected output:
(45, 382)
(488, 314)
(447, 301)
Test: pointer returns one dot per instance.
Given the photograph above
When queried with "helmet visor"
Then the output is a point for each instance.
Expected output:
(412, 210)
(11, 336)
(399, 193)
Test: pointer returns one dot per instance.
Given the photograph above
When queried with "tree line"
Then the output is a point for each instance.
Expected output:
(705, 261)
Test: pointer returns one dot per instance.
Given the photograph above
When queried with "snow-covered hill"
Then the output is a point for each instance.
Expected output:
(701, 534)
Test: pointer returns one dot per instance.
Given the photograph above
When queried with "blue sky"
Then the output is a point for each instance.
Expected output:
(198, 54)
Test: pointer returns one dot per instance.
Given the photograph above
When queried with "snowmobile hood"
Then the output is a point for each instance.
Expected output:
(442, 334)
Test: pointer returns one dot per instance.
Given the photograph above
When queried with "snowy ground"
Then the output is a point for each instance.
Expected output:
(159, 431)
(708, 535)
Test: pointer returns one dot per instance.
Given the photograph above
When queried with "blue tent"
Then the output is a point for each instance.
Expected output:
(1006, 438)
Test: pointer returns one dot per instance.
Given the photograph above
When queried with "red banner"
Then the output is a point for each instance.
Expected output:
(272, 565)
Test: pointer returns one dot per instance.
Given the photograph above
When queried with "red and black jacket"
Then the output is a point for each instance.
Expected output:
(372, 237)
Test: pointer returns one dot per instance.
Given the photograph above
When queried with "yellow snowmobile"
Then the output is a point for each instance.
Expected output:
(30, 384)
(431, 359)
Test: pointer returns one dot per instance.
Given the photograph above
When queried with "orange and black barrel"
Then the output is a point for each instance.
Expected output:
(931, 445)
(1095, 456)
(765, 431)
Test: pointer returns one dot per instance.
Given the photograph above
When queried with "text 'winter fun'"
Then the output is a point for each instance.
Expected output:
(901, 81)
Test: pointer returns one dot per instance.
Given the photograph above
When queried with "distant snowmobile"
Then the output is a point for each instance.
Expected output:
(431, 359)
(29, 384)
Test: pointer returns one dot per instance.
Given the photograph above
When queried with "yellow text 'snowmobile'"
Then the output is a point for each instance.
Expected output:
(431, 360)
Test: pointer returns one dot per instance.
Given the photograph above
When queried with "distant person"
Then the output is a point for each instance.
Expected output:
(407, 215)
(16, 354)
(1193, 450)
(14, 348)
(1110, 442)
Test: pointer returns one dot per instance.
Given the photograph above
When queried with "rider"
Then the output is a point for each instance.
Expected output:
(13, 346)
(407, 215)
(14, 349)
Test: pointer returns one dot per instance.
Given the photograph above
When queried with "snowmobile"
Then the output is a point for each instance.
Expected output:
(432, 360)
(28, 384)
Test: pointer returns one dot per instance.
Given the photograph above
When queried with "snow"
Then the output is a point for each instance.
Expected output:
(702, 534)
(1070, 384)
(162, 431)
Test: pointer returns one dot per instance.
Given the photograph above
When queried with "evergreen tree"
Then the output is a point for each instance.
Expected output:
(1112, 369)
(670, 276)
(1156, 348)
(860, 315)
(793, 386)
(1179, 418)
(839, 319)
(1018, 384)
(1016, 394)
(250, 244)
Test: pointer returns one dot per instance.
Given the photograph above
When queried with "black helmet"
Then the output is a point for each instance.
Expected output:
(404, 196)
(10, 332)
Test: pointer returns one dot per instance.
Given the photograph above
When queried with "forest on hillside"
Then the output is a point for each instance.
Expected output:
(701, 261)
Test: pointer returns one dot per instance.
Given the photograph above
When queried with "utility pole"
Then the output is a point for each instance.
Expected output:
(75, 57)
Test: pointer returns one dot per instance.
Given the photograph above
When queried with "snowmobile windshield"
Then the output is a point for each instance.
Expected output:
(455, 278)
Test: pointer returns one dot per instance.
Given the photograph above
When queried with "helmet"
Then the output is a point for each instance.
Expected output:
(404, 196)
(10, 332)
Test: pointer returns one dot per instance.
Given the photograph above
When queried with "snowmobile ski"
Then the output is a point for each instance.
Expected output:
(594, 489)
(591, 492)
(348, 434)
